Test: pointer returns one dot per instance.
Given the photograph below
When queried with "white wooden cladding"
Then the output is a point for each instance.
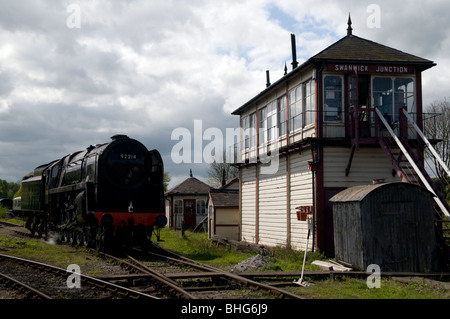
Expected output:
(268, 214)
(268, 202)
(248, 204)
(368, 163)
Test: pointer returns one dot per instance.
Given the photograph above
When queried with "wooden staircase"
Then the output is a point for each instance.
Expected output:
(407, 157)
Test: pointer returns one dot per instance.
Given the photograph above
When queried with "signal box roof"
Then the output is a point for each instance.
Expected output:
(351, 49)
(355, 49)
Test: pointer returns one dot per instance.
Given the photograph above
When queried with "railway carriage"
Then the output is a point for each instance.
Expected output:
(108, 194)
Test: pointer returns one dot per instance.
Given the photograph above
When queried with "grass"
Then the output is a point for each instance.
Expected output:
(355, 288)
(58, 255)
(198, 247)
(4, 216)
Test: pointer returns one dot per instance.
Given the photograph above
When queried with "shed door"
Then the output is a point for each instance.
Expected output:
(190, 214)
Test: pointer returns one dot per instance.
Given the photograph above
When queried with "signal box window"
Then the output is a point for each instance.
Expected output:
(391, 94)
(332, 98)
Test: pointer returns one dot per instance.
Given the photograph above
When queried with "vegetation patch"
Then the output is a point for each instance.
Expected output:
(356, 288)
(197, 246)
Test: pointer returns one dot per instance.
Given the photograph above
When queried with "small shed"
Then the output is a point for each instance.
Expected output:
(223, 210)
(186, 203)
(388, 224)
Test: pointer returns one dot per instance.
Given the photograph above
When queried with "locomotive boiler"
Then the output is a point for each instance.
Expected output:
(106, 195)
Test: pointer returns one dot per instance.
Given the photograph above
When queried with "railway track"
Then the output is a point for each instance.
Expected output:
(183, 278)
(21, 288)
(162, 274)
(50, 282)
(202, 281)
(143, 278)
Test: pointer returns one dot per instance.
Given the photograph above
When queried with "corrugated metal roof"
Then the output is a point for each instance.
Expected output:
(358, 193)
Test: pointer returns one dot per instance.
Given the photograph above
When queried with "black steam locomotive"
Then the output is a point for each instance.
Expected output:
(105, 195)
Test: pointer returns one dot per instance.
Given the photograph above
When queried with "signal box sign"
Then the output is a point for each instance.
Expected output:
(370, 68)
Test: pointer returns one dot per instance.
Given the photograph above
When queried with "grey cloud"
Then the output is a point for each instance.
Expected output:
(144, 68)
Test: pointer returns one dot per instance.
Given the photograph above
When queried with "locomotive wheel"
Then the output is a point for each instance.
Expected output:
(71, 237)
(103, 238)
(65, 236)
(85, 237)
(99, 239)
(62, 236)
(75, 238)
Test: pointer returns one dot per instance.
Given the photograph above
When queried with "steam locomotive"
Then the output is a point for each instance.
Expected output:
(107, 195)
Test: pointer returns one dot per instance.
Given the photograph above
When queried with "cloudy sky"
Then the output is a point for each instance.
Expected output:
(74, 73)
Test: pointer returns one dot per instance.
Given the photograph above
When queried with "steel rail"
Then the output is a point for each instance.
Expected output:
(116, 289)
(247, 282)
(179, 292)
(137, 266)
(22, 285)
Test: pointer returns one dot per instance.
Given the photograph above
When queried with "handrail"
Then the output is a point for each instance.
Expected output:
(427, 142)
(412, 162)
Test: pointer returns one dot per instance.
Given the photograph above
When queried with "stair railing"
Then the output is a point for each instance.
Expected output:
(412, 162)
(427, 142)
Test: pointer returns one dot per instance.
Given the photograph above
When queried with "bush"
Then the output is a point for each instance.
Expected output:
(3, 212)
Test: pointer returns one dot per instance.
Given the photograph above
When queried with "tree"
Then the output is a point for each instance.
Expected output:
(166, 180)
(7, 189)
(221, 171)
(437, 126)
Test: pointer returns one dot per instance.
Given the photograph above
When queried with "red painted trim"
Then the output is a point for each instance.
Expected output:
(419, 105)
(256, 204)
(320, 203)
(318, 102)
(226, 225)
(171, 223)
(288, 175)
(288, 201)
(215, 220)
(400, 69)
(119, 218)
(240, 204)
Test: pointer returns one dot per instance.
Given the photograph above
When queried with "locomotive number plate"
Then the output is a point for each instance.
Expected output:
(128, 156)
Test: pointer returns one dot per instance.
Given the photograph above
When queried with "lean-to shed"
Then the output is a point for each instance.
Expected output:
(388, 224)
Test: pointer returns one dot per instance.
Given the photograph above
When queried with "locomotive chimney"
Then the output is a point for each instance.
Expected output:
(118, 137)
(267, 78)
(294, 52)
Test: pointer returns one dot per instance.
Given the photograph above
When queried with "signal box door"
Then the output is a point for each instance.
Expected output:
(190, 214)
